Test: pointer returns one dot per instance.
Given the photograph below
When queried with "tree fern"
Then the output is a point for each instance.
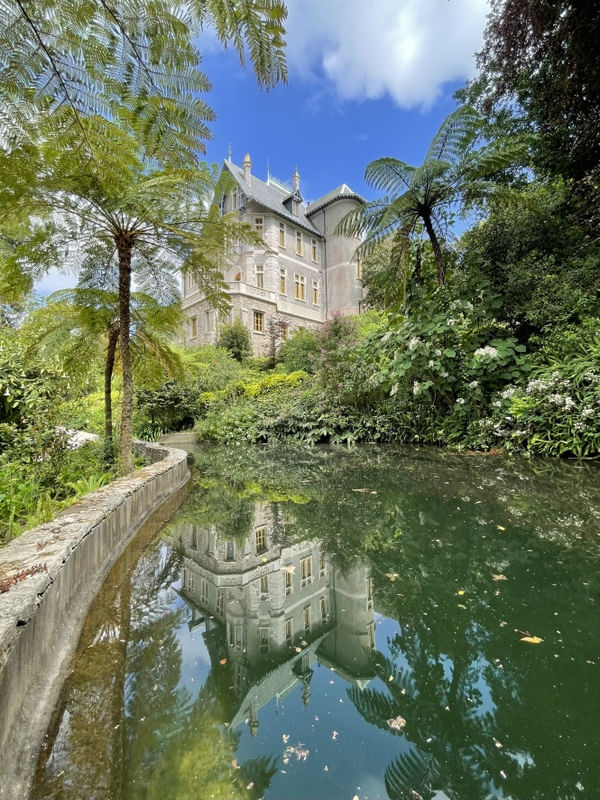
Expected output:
(455, 171)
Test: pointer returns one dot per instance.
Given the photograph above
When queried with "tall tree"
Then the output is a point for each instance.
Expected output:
(151, 220)
(456, 173)
(541, 61)
(120, 126)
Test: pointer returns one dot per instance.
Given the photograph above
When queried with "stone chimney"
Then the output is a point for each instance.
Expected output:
(296, 180)
(247, 167)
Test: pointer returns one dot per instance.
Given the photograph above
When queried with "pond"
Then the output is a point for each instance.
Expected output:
(329, 624)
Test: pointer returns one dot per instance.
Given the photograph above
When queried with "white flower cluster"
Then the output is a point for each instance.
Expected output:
(536, 385)
(460, 401)
(508, 393)
(555, 399)
(488, 351)
(416, 388)
(569, 403)
(414, 342)
(473, 384)
(586, 412)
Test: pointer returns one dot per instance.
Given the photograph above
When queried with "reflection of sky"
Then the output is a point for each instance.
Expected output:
(356, 759)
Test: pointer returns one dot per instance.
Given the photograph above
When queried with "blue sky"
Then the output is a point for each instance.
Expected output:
(367, 79)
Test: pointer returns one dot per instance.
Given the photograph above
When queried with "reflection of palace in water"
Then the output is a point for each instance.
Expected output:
(273, 609)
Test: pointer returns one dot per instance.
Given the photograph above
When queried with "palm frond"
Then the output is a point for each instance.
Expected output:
(412, 772)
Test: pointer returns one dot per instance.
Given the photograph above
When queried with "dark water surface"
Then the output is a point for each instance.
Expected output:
(326, 625)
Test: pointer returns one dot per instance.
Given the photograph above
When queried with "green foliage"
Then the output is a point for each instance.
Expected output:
(300, 351)
(539, 261)
(556, 412)
(235, 338)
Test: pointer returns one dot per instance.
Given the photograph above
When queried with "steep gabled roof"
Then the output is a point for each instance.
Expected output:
(271, 196)
(341, 192)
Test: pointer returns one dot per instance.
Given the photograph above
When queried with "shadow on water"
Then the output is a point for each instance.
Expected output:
(331, 624)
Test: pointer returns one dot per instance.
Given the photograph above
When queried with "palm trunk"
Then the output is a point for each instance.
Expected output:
(437, 250)
(124, 243)
(109, 364)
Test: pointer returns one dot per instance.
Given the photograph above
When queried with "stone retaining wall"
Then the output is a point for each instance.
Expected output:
(53, 572)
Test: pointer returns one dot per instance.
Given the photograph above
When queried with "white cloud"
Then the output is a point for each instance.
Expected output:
(407, 49)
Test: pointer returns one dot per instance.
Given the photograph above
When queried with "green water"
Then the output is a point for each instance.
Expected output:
(328, 625)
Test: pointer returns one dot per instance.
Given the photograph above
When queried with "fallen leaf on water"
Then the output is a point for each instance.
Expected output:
(498, 577)
(501, 527)
(391, 678)
(397, 723)
(531, 639)
(460, 592)
(250, 785)
(298, 649)
(286, 738)
(461, 605)
(392, 576)
(334, 735)
(325, 768)
(360, 490)
(223, 661)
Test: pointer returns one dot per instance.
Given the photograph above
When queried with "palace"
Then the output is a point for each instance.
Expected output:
(303, 275)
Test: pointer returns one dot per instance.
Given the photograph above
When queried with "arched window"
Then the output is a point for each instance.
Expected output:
(238, 276)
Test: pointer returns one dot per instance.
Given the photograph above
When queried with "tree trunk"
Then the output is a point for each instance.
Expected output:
(124, 243)
(437, 250)
(109, 364)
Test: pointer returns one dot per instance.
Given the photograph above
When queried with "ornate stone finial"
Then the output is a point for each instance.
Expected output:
(296, 179)
(229, 152)
(247, 167)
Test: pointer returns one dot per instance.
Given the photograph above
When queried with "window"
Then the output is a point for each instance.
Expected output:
(203, 591)
(282, 281)
(220, 602)
(194, 544)
(258, 322)
(263, 634)
(322, 565)
(261, 539)
(282, 234)
(300, 287)
(222, 205)
(371, 634)
(306, 571)
(323, 608)
(230, 550)
(194, 327)
(289, 631)
(315, 293)
(288, 582)
(207, 321)
(369, 593)
(298, 243)
(259, 225)
(236, 635)
(306, 618)
(358, 267)
(234, 200)
(188, 580)
(264, 587)
(295, 207)
(260, 276)
(314, 251)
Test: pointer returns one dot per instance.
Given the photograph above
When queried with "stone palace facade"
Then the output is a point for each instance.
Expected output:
(303, 275)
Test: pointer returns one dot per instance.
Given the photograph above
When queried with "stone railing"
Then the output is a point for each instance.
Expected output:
(48, 578)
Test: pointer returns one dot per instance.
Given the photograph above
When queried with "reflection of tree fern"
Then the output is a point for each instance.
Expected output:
(258, 772)
(413, 772)
(403, 683)
(375, 707)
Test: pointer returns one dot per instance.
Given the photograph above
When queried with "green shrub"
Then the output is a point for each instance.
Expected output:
(235, 338)
(300, 351)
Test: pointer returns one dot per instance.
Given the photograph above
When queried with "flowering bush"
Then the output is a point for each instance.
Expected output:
(557, 411)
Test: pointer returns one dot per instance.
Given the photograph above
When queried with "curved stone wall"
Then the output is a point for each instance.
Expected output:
(48, 578)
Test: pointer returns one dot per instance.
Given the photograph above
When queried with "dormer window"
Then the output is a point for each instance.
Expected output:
(295, 208)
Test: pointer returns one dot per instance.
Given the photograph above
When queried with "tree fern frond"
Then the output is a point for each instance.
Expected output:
(412, 772)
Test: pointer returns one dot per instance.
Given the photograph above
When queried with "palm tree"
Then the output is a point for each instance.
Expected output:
(455, 172)
(82, 324)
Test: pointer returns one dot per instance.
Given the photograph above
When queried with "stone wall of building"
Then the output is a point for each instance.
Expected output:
(49, 577)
